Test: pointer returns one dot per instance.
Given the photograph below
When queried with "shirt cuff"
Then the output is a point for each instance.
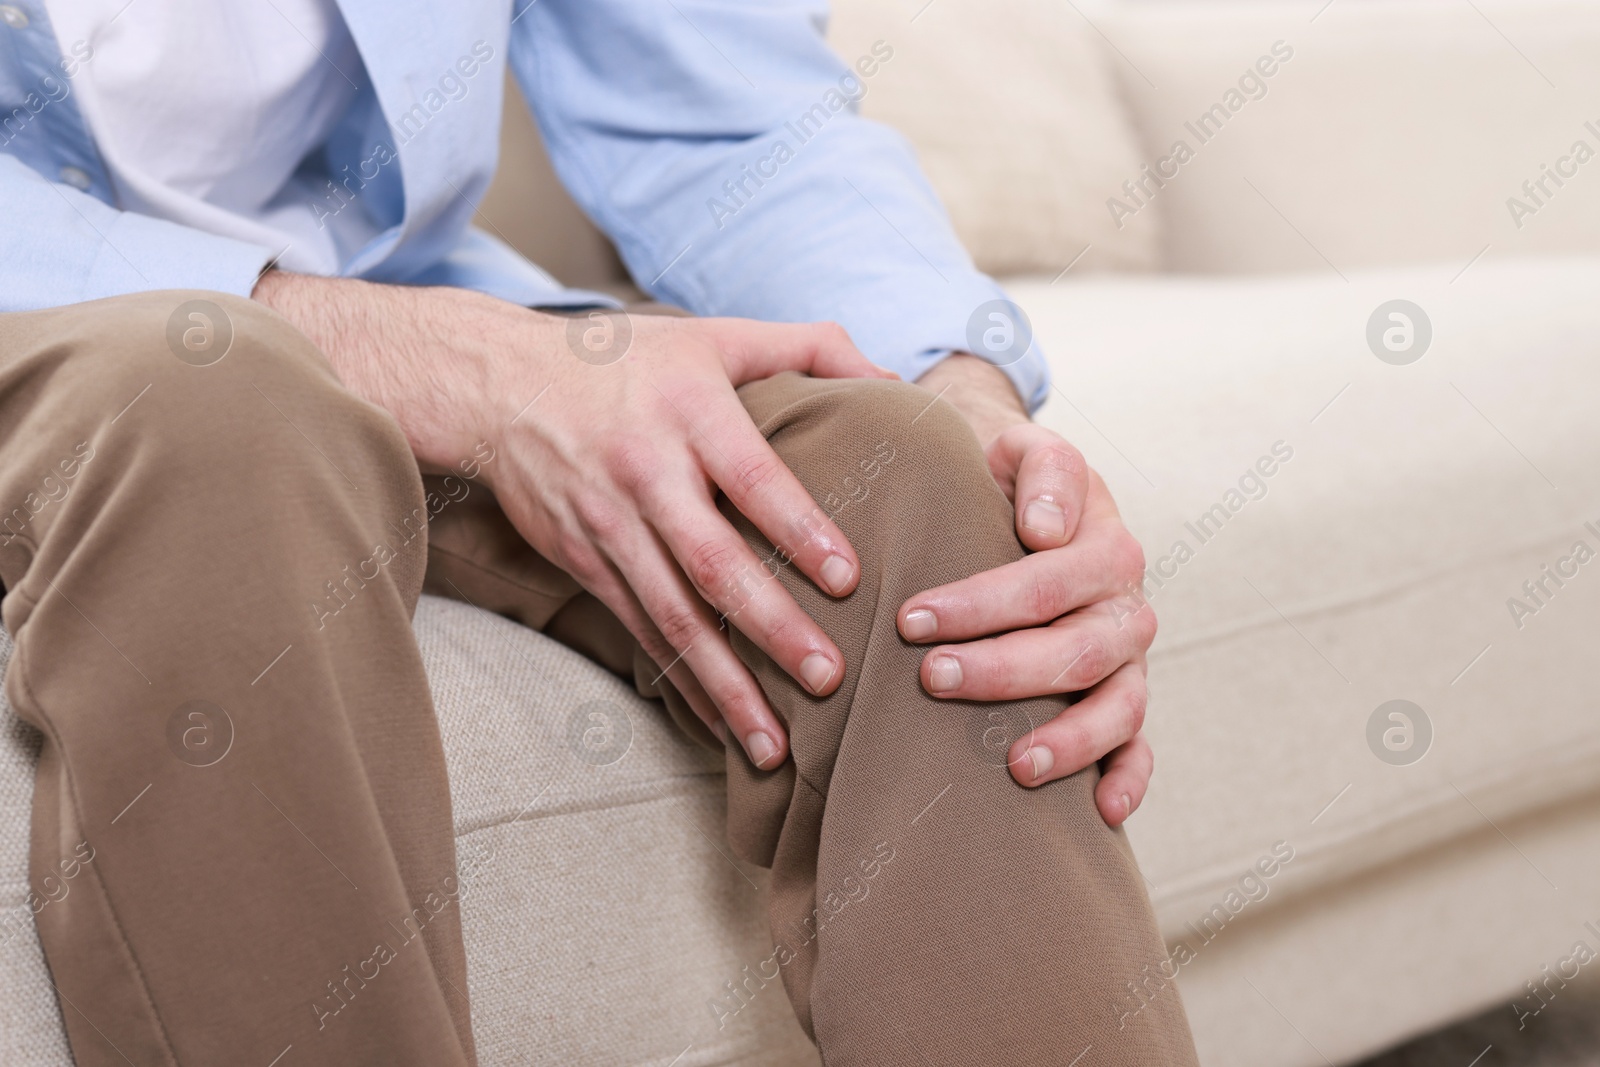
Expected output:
(908, 329)
(142, 254)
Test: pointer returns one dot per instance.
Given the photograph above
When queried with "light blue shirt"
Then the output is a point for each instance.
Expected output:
(716, 143)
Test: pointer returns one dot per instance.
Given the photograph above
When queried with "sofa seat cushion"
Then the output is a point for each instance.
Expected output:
(1327, 532)
(602, 914)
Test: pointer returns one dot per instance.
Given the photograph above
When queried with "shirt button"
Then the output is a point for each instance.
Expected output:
(14, 16)
(76, 177)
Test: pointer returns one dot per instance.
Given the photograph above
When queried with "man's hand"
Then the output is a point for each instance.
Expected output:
(1069, 615)
(611, 472)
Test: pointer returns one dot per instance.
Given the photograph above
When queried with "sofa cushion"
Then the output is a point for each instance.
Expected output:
(1017, 121)
(602, 915)
(1327, 532)
(1396, 132)
(30, 1022)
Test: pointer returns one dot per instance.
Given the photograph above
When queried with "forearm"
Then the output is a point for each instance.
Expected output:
(426, 355)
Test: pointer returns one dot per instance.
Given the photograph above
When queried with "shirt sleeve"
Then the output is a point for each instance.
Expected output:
(720, 147)
(60, 246)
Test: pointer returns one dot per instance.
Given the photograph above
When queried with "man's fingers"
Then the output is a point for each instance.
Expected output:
(614, 593)
(697, 641)
(1097, 566)
(1110, 716)
(1067, 656)
(1046, 479)
(741, 587)
(1124, 778)
(755, 350)
(763, 489)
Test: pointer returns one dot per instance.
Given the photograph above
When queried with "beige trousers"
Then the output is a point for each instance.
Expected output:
(247, 793)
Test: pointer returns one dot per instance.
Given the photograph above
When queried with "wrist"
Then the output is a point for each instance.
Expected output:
(980, 391)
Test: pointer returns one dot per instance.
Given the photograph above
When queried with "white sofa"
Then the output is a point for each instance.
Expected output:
(1229, 316)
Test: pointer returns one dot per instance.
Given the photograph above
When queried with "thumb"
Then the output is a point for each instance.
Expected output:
(756, 350)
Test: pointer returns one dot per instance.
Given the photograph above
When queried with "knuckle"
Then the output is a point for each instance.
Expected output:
(712, 566)
(633, 461)
(1145, 625)
(738, 706)
(1093, 661)
(756, 472)
(1075, 745)
(657, 648)
(1061, 461)
(574, 553)
(602, 521)
(784, 632)
(1129, 558)
(833, 332)
(1044, 595)
(1135, 705)
(680, 625)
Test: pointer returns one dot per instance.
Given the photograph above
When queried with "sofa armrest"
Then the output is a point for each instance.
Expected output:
(1392, 132)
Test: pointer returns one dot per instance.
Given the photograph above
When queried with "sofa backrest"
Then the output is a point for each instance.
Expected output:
(1388, 132)
(1399, 131)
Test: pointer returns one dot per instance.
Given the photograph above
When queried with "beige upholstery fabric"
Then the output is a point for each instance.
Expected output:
(30, 1024)
(605, 914)
(1376, 565)
(1395, 134)
(1017, 121)
(602, 914)
(1402, 949)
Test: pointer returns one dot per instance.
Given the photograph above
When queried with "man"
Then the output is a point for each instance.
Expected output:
(250, 326)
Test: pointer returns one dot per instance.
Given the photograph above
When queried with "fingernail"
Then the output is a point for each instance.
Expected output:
(1041, 759)
(816, 670)
(760, 748)
(944, 674)
(920, 625)
(836, 574)
(1045, 517)
(1127, 806)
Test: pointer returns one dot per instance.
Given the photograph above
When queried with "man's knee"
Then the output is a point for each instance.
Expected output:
(852, 409)
(887, 449)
